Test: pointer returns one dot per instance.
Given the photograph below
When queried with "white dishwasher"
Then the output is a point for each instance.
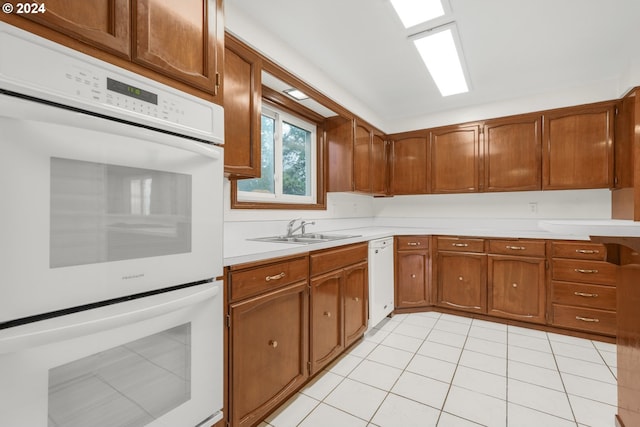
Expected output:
(381, 289)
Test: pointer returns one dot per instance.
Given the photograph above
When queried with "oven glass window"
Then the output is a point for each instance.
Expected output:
(130, 385)
(101, 213)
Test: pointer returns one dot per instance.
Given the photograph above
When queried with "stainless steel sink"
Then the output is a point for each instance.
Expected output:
(304, 239)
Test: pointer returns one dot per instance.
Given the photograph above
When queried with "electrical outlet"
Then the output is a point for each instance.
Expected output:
(533, 207)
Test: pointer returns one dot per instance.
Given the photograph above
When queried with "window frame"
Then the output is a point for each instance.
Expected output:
(273, 101)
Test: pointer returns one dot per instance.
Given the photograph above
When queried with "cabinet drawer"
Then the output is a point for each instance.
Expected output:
(406, 243)
(586, 319)
(571, 270)
(245, 283)
(460, 244)
(578, 250)
(332, 259)
(518, 247)
(594, 296)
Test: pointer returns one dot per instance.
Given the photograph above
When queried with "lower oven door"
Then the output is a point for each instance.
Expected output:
(153, 361)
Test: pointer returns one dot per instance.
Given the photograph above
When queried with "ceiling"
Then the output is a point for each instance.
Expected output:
(513, 49)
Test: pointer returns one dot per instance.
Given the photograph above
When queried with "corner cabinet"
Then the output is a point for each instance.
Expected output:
(369, 160)
(412, 265)
(268, 336)
(409, 164)
(179, 44)
(578, 147)
(339, 301)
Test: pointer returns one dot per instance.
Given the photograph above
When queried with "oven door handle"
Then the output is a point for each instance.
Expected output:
(101, 319)
(200, 148)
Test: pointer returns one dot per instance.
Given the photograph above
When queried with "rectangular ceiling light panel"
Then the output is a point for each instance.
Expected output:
(440, 54)
(414, 12)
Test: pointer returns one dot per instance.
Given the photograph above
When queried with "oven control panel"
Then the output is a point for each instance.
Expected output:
(77, 80)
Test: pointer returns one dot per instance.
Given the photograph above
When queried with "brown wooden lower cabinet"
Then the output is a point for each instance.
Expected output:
(269, 351)
(339, 301)
(268, 336)
(516, 279)
(461, 273)
(412, 272)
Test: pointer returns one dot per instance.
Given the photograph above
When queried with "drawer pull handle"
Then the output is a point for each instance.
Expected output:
(327, 313)
(273, 343)
(588, 251)
(460, 245)
(583, 271)
(584, 294)
(413, 243)
(516, 248)
(276, 277)
(587, 319)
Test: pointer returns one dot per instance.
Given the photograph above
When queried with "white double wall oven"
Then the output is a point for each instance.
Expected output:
(111, 244)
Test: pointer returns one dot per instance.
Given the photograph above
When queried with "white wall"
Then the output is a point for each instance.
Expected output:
(571, 204)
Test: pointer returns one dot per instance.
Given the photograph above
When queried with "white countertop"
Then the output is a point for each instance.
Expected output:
(240, 250)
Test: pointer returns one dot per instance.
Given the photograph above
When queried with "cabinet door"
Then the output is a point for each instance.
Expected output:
(379, 175)
(361, 159)
(513, 154)
(178, 39)
(339, 139)
(455, 159)
(268, 351)
(242, 106)
(101, 23)
(355, 302)
(578, 148)
(412, 288)
(409, 166)
(327, 339)
(516, 288)
(462, 281)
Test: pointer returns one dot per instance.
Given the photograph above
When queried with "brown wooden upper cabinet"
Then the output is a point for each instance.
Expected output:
(242, 106)
(513, 153)
(104, 24)
(369, 160)
(409, 164)
(339, 144)
(578, 147)
(180, 41)
(455, 159)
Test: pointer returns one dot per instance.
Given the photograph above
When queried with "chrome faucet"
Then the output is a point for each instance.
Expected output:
(291, 229)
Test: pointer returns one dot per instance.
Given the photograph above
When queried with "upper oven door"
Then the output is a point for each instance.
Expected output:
(94, 209)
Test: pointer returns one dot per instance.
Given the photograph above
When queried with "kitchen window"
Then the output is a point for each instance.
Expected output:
(289, 163)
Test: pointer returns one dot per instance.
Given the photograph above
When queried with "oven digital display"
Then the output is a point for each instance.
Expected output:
(132, 91)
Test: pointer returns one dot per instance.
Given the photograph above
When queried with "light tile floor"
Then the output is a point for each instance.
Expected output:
(432, 369)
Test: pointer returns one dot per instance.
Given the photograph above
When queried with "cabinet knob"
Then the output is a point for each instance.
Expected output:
(356, 299)
(413, 276)
(273, 343)
(460, 278)
(327, 313)
(515, 285)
